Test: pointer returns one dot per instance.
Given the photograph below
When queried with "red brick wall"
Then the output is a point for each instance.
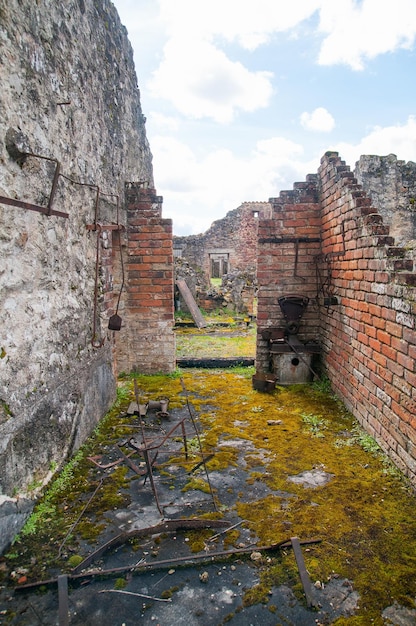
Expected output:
(369, 338)
(146, 342)
(287, 244)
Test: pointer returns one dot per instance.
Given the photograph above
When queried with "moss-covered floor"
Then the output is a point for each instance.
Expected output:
(260, 449)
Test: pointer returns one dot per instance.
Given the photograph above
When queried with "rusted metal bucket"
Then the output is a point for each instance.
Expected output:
(114, 323)
(293, 307)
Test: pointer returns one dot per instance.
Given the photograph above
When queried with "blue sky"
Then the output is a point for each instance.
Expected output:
(243, 97)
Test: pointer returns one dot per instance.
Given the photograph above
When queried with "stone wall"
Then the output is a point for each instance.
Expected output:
(234, 236)
(71, 133)
(228, 248)
(364, 314)
(391, 184)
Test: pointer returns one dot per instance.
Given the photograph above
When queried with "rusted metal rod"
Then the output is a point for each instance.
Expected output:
(146, 453)
(187, 560)
(32, 207)
(166, 526)
(199, 443)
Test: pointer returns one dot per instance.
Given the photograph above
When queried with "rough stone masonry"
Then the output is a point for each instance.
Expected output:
(72, 133)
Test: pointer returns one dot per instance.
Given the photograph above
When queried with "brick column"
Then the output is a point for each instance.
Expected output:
(288, 244)
(146, 342)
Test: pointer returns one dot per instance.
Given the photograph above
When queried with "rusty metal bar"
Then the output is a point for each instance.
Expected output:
(304, 576)
(166, 526)
(145, 452)
(80, 515)
(63, 600)
(188, 560)
(54, 185)
(32, 207)
(199, 443)
(130, 463)
(96, 343)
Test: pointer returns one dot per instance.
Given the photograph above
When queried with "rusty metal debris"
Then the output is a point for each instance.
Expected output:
(137, 595)
(79, 516)
(146, 446)
(304, 576)
(165, 526)
(63, 600)
(154, 565)
(191, 415)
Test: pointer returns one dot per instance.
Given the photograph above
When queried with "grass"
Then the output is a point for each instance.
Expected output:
(215, 343)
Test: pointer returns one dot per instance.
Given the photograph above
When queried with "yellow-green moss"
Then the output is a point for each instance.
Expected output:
(364, 514)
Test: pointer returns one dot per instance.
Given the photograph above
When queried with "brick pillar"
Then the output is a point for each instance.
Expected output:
(288, 244)
(146, 342)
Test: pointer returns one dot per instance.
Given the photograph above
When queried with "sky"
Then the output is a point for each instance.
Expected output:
(243, 97)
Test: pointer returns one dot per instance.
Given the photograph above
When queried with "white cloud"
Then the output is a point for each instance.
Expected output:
(248, 23)
(399, 139)
(164, 122)
(357, 32)
(200, 81)
(198, 191)
(319, 120)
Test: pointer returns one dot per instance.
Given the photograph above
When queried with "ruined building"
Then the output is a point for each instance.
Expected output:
(86, 257)
(229, 243)
(337, 292)
(228, 250)
(86, 272)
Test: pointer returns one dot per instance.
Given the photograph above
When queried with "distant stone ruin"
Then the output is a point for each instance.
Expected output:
(226, 251)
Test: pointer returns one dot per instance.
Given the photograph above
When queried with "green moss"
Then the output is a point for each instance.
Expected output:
(364, 514)
(256, 595)
(197, 483)
(75, 560)
(120, 583)
(168, 593)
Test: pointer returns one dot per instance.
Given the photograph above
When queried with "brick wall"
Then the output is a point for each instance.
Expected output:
(235, 234)
(368, 338)
(287, 244)
(146, 341)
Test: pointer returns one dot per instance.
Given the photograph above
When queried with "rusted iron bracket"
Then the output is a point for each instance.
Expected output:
(48, 210)
(32, 207)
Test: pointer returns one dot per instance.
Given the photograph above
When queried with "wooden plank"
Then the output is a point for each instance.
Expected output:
(304, 576)
(190, 303)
